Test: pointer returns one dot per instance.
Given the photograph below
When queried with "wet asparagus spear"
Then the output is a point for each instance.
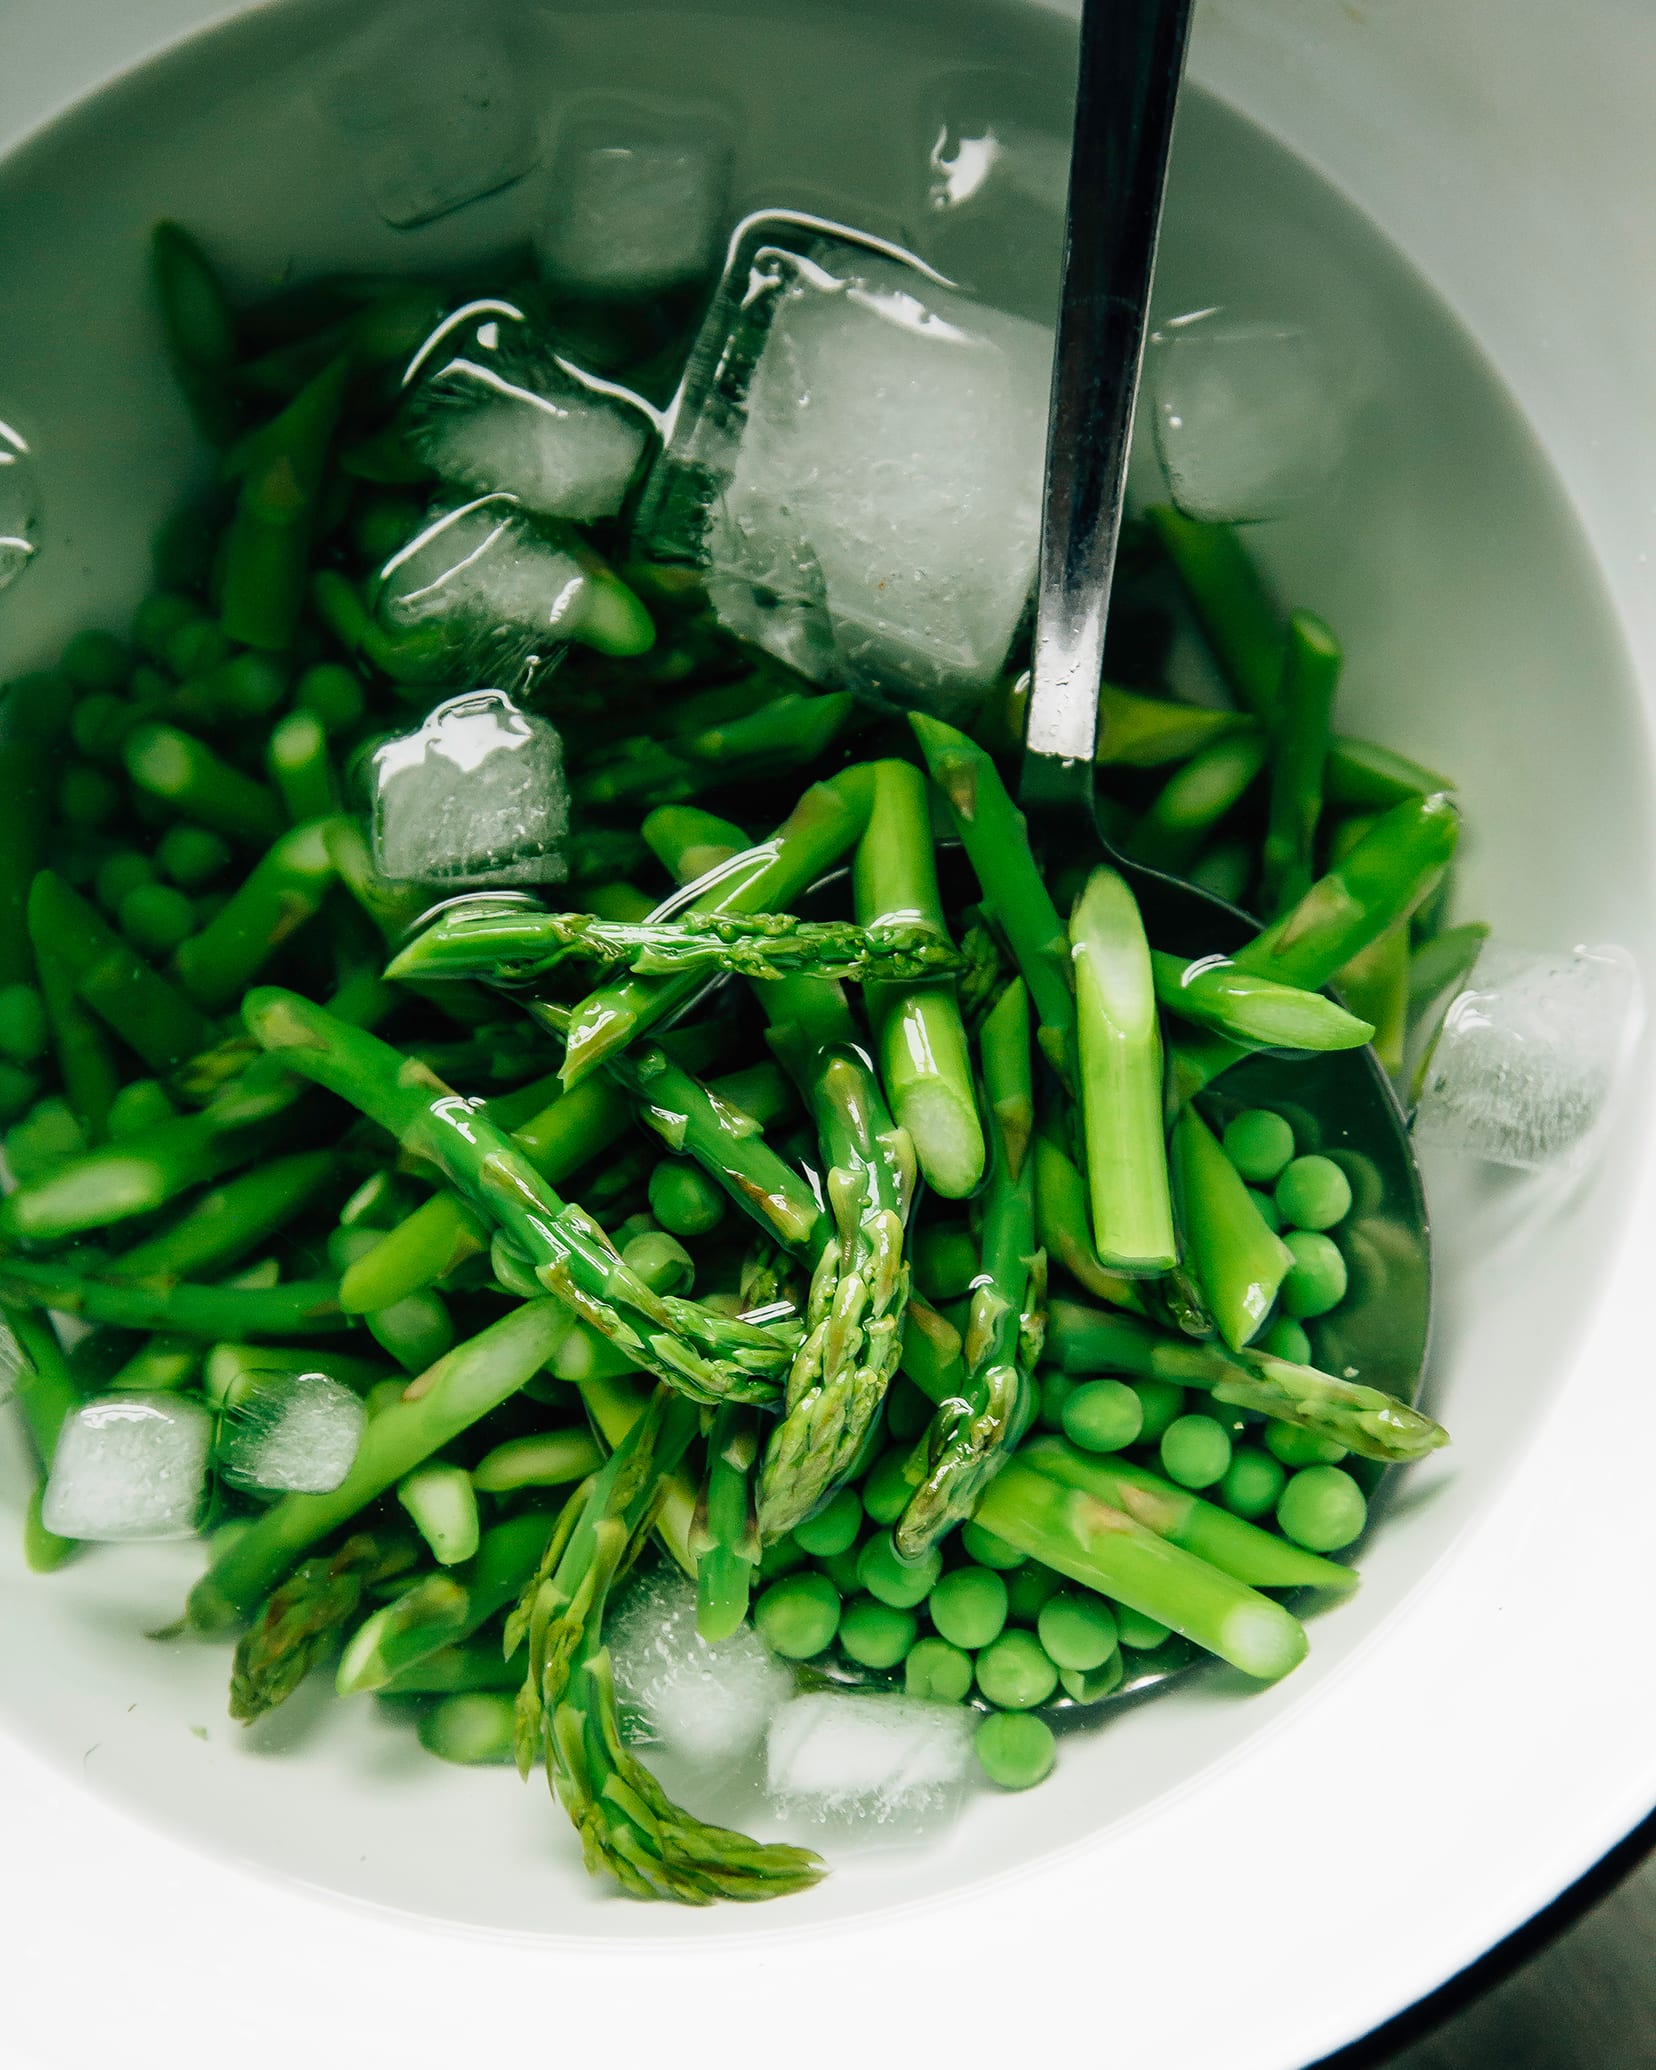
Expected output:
(1299, 756)
(1213, 992)
(1239, 1261)
(149, 1014)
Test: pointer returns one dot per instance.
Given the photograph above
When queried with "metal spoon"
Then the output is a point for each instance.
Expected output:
(1342, 1105)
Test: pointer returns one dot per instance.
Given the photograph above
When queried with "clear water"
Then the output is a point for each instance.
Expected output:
(1447, 559)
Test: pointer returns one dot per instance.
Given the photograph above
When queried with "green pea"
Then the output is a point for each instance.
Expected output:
(1296, 1447)
(96, 661)
(191, 856)
(937, 1672)
(1322, 1509)
(1092, 1685)
(886, 1491)
(1269, 1213)
(1316, 1281)
(684, 1199)
(126, 870)
(1103, 1416)
(1077, 1629)
(903, 1584)
(1162, 1402)
(841, 1569)
(1313, 1193)
(87, 797)
(331, 694)
(1195, 1451)
(194, 648)
(946, 1261)
(140, 1104)
(252, 684)
(876, 1635)
(833, 1528)
(1287, 1339)
(1015, 1751)
(1259, 1143)
(24, 1035)
(783, 1556)
(660, 1261)
(476, 1727)
(1252, 1483)
(1028, 1588)
(156, 918)
(798, 1616)
(988, 1550)
(907, 1411)
(1142, 1633)
(100, 724)
(1056, 1389)
(1015, 1673)
(969, 1607)
(19, 1090)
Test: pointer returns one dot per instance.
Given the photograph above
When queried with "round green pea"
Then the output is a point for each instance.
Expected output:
(833, 1528)
(1027, 1588)
(1316, 1281)
(1259, 1143)
(158, 617)
(1092, 1685)
(988, 1550)
(191, 856)
(332, 694)
(1015, 1751)
(24, 1035)
(1015, 1673)
(87, 797)
(1322, 1509)
(969, 1607)
(798, 1616)
(252, 684)
(1287, 1339)
(1056, 1389)
(937, 1672)
(684, 1199)
(100, 724)
(194, 648)
(140, 1104)
(1297, 1447)
(1162, 1402)
(1313, 1193)
(876, 1635)
(126, 870)
(784, 1556)
(1252, 1482)
(18, 1090)
(1269, 1213)
(886, 1491)
(902, 1584)
(1077, 1629)
(155, 918)
(841, 1570)
(1103, 1416)
(1195, 1451)
(1143, 1634)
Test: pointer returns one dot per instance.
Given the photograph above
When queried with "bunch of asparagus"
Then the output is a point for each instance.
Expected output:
(827, 1145)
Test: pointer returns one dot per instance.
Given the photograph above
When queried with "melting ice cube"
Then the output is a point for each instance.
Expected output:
(639, 204)
(1530, 1053)
(129, 1466)
(867, 1758)
(19, 506)
(856, 457)
(708, 1705)
(495, 408)
(475, 795)
(430, 101)
(1251, 416)
(483, 570)
(287, 1430)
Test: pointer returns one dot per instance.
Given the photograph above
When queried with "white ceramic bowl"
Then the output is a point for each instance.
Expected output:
(1217, 1878)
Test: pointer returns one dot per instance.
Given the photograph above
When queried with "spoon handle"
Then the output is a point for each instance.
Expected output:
(1131, 55)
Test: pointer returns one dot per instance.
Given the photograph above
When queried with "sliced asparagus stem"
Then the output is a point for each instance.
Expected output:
(231, 1222)
(1299, 756)
(285, 889)
(139, 1005)
(1242, 624)
(1213, 993)
(1064, 1227)
(1238, 1259)
(920, 1039)
(296, 1308)
(1121, 1079)
(1190, 805)
(727, 1529)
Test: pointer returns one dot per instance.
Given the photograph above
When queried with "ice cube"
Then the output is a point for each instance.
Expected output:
(129, 1466)
(292, 1431)
(1530, 1054)
(640, 203)
(856, 457)
(1251, 415)
(507, 594)
(495, 408)
(431, 104)
(706, 1705)
(19, 506)
(475, 795)
(862, 1757)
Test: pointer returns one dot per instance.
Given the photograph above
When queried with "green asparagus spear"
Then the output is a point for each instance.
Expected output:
(230, 1222)
(1362, 776)
(1181, 818)
(821, 827)
(1063, 1225)
(190, 779)
(726, 1540)
(150, 1015)
(1139, 732)
(971, 1436)
(34, 713)
(302, 1617)
(295, 1308)
(301, 769)
(1214, 993)
(1242, 624)
(1238, 1259)
(268, 549)
(788, 733)
(996, 840)
(1299, 756)
(199, 328)
(47, 1395)
(86, 1067)
(285, 889)
(682, 1342)
(920, 1039)
(1121, 1079)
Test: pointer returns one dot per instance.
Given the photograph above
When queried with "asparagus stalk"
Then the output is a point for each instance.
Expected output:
(971, 1436)
(787, 733)
(1190, 805)
(515, 943)
(139, 1005)
(268, 549)
(284, 890)
(302, 1617)
(1063, 1227)
(1239, 1260)
(996, 840)
(296, 1308)
(230, 1222)
(1139, 732)
(47, 1395)
(187, 777)
(1121, 1079)
(1362, 776)
(1253, 1011)
(821, 827)
(680, 1341)
(726, 1537)
(34, 713)
(1242, 624)
(920, 1039)
(300, 768)
(1299, 756)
